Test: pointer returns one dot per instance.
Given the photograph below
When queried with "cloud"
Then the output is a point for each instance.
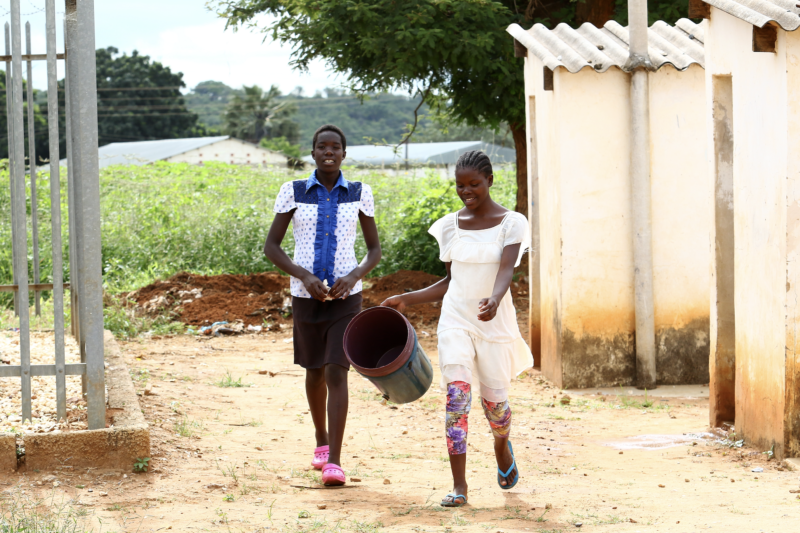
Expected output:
(209, 52)
(185, 36)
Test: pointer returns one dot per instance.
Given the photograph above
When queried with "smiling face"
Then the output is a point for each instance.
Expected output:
(328, 153)
(473, 187)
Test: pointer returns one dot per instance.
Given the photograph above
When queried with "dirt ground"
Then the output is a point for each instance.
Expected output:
(232, 442)
(237, 458)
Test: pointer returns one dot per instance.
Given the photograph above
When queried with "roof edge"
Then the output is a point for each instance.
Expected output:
(529, 41)
(219, 138)
(767, 12)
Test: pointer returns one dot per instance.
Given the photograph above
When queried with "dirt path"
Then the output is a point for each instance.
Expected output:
(235, 458)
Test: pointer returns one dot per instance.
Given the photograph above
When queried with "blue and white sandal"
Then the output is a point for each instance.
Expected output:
(454, 500)
(509, 483)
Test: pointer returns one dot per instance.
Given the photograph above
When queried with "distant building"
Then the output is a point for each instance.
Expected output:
(195, 151)
(443, 154)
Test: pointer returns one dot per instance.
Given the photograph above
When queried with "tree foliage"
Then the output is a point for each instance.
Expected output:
(208, 100)
(39, 116)
(137, 100)
(453, 52)
(256, 114)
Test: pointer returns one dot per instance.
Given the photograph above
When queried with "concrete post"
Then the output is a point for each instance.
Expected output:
(639, 64)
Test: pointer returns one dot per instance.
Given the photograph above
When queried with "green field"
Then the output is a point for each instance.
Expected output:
(167, 217)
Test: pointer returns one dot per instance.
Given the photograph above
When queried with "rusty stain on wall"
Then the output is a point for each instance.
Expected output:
(682, 353)
(792, 418)
(598, 361)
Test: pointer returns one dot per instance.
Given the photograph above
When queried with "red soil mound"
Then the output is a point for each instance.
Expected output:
(249, 298)
(258, 298)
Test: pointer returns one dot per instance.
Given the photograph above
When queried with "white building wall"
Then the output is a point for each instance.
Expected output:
(593, 128)
(760, 225)
(681, 223)
(792, 388)
(587, 309)
(233, 151)
(549, 218)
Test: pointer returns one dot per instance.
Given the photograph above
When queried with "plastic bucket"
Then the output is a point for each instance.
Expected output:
(382, 346)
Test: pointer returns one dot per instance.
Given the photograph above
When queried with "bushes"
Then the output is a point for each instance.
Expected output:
(163, 218)
(412, 247)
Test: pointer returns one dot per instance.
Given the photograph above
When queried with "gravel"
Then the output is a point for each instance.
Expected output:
(43, 388)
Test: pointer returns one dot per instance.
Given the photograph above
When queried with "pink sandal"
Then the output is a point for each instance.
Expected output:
(320, 457)
(332, 475)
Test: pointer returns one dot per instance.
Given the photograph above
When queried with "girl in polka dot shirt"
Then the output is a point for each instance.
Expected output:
(325, 210)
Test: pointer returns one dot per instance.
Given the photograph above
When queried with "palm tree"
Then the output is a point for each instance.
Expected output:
(252, 115)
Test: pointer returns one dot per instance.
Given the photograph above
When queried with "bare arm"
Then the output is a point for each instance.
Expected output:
(343, 285)
(434, 293)
(487, 308)
(274, 252)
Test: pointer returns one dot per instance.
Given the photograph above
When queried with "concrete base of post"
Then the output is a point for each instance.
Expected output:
(115, 448)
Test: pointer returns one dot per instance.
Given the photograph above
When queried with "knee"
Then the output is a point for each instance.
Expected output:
(335, 376)
(499, 416)
(315, 377)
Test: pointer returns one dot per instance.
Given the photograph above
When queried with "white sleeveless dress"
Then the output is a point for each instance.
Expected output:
(490, 353)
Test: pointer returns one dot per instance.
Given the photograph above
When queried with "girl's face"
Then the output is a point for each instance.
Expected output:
(328, 153)
(473, 187)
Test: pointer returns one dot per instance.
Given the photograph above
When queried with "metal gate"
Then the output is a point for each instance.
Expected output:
(83, 186)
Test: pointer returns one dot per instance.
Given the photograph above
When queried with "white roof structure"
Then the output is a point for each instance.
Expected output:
(785, 13)
(606, 47)
(146, 152)
(441, 153)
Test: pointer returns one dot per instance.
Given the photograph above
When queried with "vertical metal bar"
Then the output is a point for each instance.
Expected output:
(74, 251)
(20, 209)
(87, 191)
(10, 124)
(55, 210)
(32, 159)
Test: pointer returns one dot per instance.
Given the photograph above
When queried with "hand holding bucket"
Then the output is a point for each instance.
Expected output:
(383, 347)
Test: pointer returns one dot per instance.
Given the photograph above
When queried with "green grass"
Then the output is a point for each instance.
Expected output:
(164, 218)
(21, 513)
(187, 428)
(228, 381)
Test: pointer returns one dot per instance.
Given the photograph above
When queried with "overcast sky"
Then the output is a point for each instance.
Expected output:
(185, 36)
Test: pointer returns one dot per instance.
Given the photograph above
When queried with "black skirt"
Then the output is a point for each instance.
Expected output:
(319, 330)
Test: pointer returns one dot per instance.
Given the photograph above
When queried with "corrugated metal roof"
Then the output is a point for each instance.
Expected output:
(145, 152)
(759, 12)
(443, 153)
(602, 48)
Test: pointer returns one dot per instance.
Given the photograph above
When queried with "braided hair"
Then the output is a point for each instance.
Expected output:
(475, 160)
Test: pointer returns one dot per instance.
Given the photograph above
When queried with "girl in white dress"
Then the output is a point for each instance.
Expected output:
(479, 339)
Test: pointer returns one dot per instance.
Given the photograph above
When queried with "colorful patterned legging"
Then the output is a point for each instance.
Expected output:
(459, 398)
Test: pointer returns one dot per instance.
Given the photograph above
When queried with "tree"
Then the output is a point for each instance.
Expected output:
(39, 118)
(137, 100)
(208, 99)
(256, 114)
(455, 54)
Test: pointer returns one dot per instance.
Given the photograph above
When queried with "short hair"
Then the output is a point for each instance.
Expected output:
(332, 128)
(475, 160)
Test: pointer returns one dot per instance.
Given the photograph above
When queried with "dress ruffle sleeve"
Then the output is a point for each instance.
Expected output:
(444, 231)
(517, 230)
